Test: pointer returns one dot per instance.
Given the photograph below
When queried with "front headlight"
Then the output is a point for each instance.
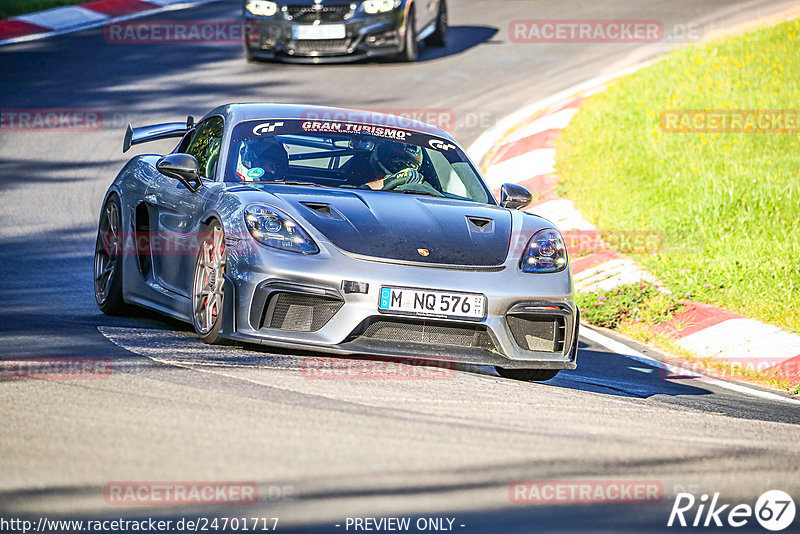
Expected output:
(272, 227)
(545, 253)
(373, 7)
(262, 8)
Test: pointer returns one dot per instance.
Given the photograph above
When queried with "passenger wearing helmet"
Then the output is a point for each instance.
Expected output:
(262, 159)
(395, 164)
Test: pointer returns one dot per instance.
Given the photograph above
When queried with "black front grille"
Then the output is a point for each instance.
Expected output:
(300, 313)
(539, 333)
(322, 13)
(429, 333)
(319, 46)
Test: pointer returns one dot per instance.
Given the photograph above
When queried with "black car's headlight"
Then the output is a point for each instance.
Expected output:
(545, 253)
(373, 7)
(262, 8)
(272, 227)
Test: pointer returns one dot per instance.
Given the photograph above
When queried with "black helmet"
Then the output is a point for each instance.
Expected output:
(391, 157)
(262, 159)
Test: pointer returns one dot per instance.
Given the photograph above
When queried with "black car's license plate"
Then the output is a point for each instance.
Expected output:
(321, 31)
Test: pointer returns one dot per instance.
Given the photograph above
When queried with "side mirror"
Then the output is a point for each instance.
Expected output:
(513, 196)
(182, 167)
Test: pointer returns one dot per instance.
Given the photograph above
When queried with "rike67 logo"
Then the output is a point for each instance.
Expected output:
(774, 510)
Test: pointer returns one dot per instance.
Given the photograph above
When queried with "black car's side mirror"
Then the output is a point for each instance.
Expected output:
(513, 196)
(182, 167)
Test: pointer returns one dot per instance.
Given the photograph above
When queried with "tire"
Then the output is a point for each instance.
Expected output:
(537, 375)
(439, 35)
(108, 252)
(207, 285)
(410, 48)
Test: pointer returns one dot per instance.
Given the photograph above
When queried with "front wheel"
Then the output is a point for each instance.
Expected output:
(439, 35)
(537, 375)
(207, 289)
(409, 53)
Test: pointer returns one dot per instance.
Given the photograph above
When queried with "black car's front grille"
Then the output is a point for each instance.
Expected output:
(539, 333)
(428, 333)
(320, 13)
(319, 46)
(300, 313)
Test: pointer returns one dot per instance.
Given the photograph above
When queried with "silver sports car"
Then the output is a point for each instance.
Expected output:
(335, 230)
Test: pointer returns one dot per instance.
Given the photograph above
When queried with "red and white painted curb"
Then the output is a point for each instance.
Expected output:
(521, 149)
(67, 19)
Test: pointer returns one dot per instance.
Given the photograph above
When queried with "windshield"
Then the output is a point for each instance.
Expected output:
(352, 155)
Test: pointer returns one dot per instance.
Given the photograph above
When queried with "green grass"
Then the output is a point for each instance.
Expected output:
(11, 8)
(727, 205)
(639, 303)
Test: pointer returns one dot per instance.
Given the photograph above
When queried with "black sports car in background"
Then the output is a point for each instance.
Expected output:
(315, 31)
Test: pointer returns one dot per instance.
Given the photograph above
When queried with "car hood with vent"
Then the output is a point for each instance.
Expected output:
(405, 227)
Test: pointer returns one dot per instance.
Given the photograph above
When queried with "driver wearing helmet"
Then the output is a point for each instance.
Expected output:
(395, 164)
(262, 159)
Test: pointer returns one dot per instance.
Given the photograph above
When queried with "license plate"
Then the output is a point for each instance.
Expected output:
(432, 303)
(319, 31)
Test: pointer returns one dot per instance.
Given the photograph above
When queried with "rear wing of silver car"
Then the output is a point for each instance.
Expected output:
(156, 132)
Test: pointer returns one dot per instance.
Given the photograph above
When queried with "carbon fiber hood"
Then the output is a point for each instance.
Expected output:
(406, 227)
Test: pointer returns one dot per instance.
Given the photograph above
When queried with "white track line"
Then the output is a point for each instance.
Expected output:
(168, 6)
(553, 121)
(744, 340)
(624, 350)
(522, 167)
(64, 18)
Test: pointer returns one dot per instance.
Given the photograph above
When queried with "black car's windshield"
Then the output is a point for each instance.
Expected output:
(351, 155)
